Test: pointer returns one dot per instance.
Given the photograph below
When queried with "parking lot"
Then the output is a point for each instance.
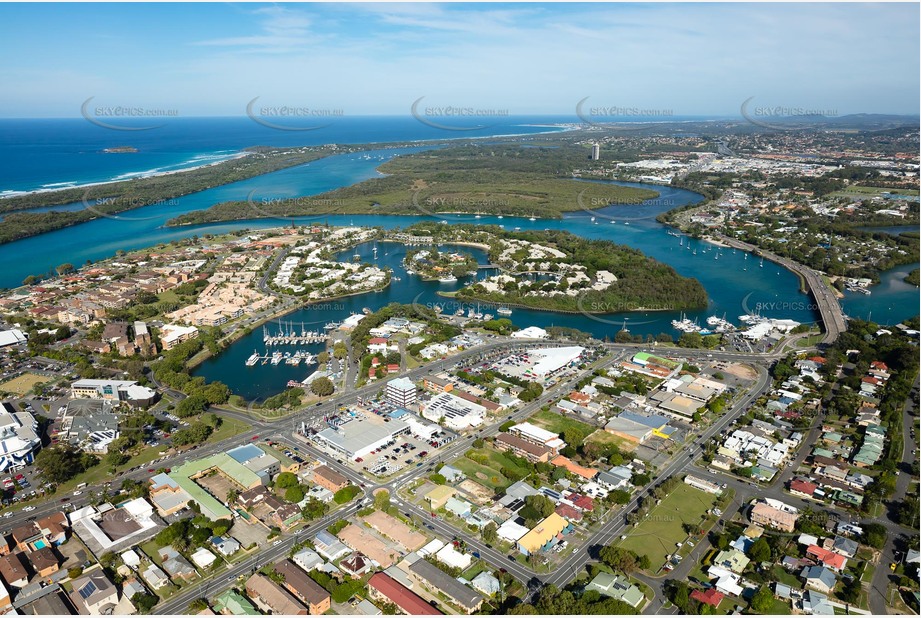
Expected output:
(400, 452)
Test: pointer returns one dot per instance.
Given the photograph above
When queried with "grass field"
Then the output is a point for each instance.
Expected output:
(658, 533)
(855, 190)
(22, 384)
(558, 423)
(488, 474)
(603, 437)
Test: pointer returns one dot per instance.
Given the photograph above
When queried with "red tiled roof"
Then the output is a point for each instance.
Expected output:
(826, 557)
(803, 486)
(711, 596)
(401, 596)
(569, 512)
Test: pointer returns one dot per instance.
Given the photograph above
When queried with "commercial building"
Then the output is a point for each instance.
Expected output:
(89, 424)
(458, 414)
(108, 529)
(166, 495)
(400, 392)
(19, 438)
(123, 391)
(359, 436)
(542, 535)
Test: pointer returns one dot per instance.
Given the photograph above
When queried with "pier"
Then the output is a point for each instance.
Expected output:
(290, 336)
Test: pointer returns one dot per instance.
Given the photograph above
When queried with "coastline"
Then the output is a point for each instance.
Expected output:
(133, 176)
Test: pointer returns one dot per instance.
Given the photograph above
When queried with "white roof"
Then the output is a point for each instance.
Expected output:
(553, 358)
(511, 531)
(535, 432)
(431, 547)
(202, 557)
(531, 332)
(454, 558)
(11, 337)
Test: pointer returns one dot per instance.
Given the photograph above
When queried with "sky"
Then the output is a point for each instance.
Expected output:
(517, 58)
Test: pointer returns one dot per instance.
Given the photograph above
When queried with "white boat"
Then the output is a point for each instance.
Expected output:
(504, 311)
(252, 360)
(487, 317)
(593, 219)
(276, 358)
(517, 229)
(476, 216)
(448, 279)
(532, 219)
(501, 217)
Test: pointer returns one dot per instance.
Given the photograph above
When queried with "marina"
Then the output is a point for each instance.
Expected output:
(292, 336)
(276, 358)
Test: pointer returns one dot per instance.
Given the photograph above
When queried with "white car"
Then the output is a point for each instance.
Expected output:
(77, 493)
(29, 508)
(7, 515)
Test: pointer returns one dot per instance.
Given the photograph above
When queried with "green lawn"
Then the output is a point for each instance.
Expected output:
(785, 577)
(557, 423)
(658, 533)
(488, 474)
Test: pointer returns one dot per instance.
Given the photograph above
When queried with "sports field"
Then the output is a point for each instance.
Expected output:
(659, 532)
(22, 384)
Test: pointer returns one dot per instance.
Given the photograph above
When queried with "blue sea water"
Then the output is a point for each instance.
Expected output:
(43, 154)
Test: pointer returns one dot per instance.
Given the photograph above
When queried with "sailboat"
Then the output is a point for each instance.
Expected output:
(762, 263)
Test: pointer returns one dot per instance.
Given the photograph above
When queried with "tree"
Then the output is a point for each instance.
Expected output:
(314, 509)
(763, 600)
(540, 504)
(286, 480)
(198, 605)
(115, 458)
(489, 533)
(59, 464)
(874, 535)
(65, 268)
(382, 499)
(323, 358)
(322, 387)
(232, 495)
(144, 602)
(760, 550)
(294, 494)
(438, 479)
(619, 558)
(346, 494)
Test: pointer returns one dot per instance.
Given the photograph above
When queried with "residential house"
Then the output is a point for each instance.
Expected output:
(382, 587)
(175, 565)
(226, 546)
(232, 603)
(94, 594)
(617, 587)
(44, 561)
(14, 570)
(826, 557)
(710, 596)
(155, 577)
(819, 578)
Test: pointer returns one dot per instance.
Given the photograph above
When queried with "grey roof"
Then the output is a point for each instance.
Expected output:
(520, 490)
(466, 597)
(358, 434)
(824, 575)
(845, 545)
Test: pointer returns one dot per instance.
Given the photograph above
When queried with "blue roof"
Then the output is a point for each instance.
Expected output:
(654, 421)
(244, 453)
(398, 413)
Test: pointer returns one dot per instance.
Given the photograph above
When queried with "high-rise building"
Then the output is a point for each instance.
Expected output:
(596, 151)
(401, 392)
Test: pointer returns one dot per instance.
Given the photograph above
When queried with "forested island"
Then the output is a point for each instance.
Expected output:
(435, 264)
(488, 179)
(558, 271)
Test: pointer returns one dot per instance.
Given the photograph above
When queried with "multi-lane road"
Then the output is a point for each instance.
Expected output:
(284, 428)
